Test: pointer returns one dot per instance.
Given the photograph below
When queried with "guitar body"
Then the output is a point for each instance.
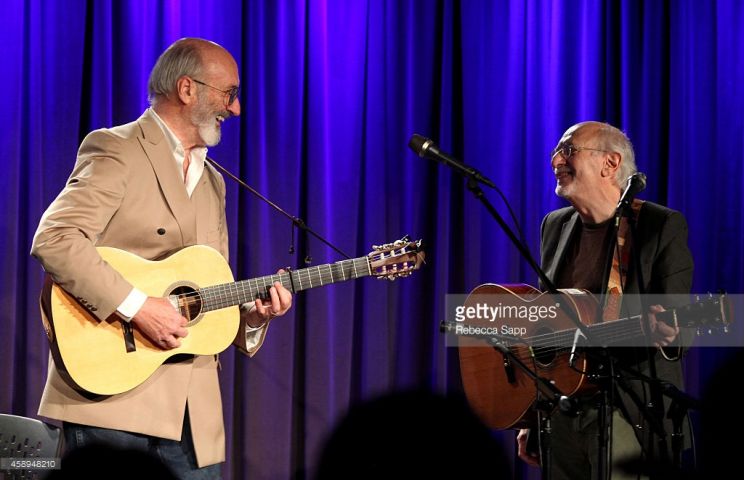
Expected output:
(93, 354)
(111, 356)
(502, 395)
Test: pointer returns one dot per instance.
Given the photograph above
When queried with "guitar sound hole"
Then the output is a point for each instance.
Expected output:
(189, 302)
(544, 356)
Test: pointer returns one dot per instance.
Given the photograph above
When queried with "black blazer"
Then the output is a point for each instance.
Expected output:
(667, 267)
(666, 261)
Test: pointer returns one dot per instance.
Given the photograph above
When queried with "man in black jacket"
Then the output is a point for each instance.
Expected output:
(592, 163)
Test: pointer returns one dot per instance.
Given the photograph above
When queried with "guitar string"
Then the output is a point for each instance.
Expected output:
(553, 342)
(250, 287)
(225, 292)
(220, 296)
(611, 333)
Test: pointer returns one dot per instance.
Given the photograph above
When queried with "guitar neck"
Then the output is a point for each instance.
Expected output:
(616, 331)
(605, 333)
(601, 334)
(236, 293)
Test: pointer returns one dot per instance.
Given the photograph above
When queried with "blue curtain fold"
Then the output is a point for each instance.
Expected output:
(331, 93)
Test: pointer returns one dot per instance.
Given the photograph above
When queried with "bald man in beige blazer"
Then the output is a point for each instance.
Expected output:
(145, 187)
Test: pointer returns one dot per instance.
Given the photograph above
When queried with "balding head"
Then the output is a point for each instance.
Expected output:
(611, 139)
(187, 56)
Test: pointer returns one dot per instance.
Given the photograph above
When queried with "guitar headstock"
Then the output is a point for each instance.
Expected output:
(397, 259)
(708, 314)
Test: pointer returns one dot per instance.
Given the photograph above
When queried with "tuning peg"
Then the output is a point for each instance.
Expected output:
(398, 243)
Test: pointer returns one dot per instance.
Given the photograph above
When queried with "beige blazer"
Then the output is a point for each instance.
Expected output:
(126, 192)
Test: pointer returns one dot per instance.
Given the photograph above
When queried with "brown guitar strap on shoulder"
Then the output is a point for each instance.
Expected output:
(620, 262)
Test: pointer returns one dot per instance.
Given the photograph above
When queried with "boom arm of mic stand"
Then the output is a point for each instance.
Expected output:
(295, 220)
(474, 187)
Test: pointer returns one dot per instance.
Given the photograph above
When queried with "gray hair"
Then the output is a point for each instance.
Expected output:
(613, 139)
(183, 57)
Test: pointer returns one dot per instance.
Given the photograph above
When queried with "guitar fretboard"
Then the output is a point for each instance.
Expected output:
(236, 293)
(602, 334)
(712, 314)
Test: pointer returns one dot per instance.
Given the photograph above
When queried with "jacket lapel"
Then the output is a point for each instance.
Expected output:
(567, 231)
(158, 152)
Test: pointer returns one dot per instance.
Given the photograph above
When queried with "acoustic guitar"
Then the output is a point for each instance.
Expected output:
(110, 357)
(503, 395)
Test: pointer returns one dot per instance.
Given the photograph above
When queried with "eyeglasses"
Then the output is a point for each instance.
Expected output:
(567, 150)
(230, 95)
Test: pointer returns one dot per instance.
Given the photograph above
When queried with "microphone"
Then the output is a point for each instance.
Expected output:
(636, 184)
(426, 148)
(578, 334)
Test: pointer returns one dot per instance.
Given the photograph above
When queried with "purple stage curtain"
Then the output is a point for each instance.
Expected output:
(331, 93)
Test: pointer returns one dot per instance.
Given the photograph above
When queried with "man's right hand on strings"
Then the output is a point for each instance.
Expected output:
(161, 323)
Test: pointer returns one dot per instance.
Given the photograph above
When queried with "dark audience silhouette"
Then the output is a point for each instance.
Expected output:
(721, 424)
(412, 434)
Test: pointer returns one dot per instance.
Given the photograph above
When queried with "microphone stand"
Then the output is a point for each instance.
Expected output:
(474, 178)
(296, 221)
(604, 425)
(474, 187)
(654, 411)
(554, 396)
(548, 395)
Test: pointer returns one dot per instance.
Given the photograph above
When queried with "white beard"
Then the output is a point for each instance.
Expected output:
(210, 133)
(205, 119)
(563, 191)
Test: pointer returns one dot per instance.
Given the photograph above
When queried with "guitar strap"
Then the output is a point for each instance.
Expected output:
(620, 261)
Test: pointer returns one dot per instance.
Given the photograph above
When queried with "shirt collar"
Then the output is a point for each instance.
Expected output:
(175, 144)
(198, 154)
